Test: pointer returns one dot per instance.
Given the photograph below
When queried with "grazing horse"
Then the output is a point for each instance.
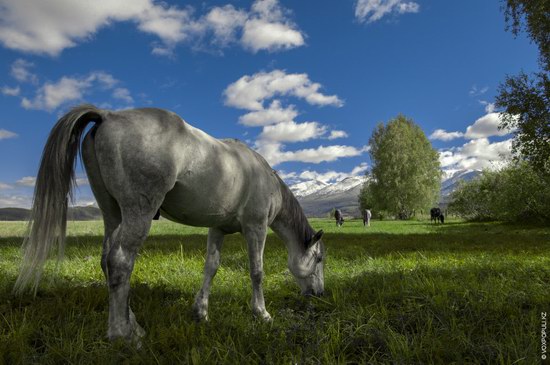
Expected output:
(367, 215)
(339, 217)
(141, 161)
(435, 214)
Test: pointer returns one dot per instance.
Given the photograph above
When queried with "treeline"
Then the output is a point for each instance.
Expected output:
(516, 193)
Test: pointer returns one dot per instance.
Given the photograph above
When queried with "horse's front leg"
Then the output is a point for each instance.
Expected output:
(215, 240)
(125, 242)
(255, 238)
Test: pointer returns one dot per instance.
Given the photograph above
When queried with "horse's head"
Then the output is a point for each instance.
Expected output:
(309, 271)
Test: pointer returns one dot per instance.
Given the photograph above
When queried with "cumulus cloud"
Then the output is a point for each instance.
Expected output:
(476, 154)
(10, 91)
(443, 135)
(123, 94)
(486, 126)
(5, 134)
(292, 131)
(478, 91)
(4, 186)
(29, 181)
(52, 95)
(15, 201)
(272, 115)
(20, 70)
(373, 10)
(337, 134)
(249, 92)
(50, 27)
(277, 121)
(274, 153)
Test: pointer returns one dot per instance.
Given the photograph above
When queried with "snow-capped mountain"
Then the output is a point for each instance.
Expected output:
(306, 188)
(318, 198)
(450, 182)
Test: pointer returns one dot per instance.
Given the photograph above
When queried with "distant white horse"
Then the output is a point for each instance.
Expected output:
(142, 160)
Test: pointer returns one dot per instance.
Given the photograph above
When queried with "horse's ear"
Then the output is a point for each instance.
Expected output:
(317, 236)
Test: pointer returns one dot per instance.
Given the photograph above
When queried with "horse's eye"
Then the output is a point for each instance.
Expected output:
(319, 259)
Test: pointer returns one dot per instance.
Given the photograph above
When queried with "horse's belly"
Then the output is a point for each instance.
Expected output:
(201, 208)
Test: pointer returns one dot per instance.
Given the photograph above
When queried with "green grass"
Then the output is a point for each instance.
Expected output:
(397, 292)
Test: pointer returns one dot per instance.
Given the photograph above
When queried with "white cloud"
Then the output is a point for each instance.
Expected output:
(52, 95)
(489, 107)
(337, 134)
(4, 186)
(10, 91)
(5, 134)
(123, 94)
(50, 27)
(224, 22)
(269, 29)
(486, 126)
(475, 91)
(20, 70)
(292, 131)
(261, 35)
(272, 115)
(249, 92)
(274, 154)
(443, 135)
(476, 154)
(29, 181)
(15, 201)
(373, 10)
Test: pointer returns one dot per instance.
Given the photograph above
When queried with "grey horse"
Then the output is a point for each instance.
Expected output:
(141, 161)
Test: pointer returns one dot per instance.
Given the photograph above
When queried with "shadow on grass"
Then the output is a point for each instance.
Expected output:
(398, 316)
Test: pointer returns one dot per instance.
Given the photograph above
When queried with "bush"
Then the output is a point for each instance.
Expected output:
(514, 193)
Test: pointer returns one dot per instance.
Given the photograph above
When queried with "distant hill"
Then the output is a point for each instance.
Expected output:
(73, 214)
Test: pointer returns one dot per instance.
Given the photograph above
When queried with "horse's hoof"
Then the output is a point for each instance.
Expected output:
(200, 315)
(263, 316)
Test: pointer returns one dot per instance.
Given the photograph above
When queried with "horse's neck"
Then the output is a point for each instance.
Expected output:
(294, 233)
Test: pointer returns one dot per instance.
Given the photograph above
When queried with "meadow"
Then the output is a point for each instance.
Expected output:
(402, 292)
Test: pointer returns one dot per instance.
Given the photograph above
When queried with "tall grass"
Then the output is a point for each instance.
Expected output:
(397, 292)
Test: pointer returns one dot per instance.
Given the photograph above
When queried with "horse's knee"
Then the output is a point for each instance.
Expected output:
(256, 276)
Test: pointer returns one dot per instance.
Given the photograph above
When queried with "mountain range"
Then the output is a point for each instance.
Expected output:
(317, 197)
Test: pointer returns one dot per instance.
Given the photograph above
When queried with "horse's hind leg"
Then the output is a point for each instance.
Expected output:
(215, 240)
(124, 244)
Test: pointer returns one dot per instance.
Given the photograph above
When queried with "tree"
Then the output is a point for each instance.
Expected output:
(406, 174)
(525, 99)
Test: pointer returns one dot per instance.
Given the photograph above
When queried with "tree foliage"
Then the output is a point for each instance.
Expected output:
(515, 193)
(524, 98)
(405, 175)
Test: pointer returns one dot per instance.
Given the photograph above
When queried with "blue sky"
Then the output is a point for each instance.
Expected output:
(303, 82)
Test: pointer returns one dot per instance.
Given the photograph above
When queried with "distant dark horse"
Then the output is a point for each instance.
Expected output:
(339, 218)
(436, 215)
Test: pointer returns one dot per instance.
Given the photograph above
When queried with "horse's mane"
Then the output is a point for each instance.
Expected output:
(293, 215)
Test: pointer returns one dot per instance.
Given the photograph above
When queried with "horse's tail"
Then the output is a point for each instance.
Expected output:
(54, 185)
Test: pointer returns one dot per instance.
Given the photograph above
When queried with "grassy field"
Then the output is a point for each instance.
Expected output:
(397, 292)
